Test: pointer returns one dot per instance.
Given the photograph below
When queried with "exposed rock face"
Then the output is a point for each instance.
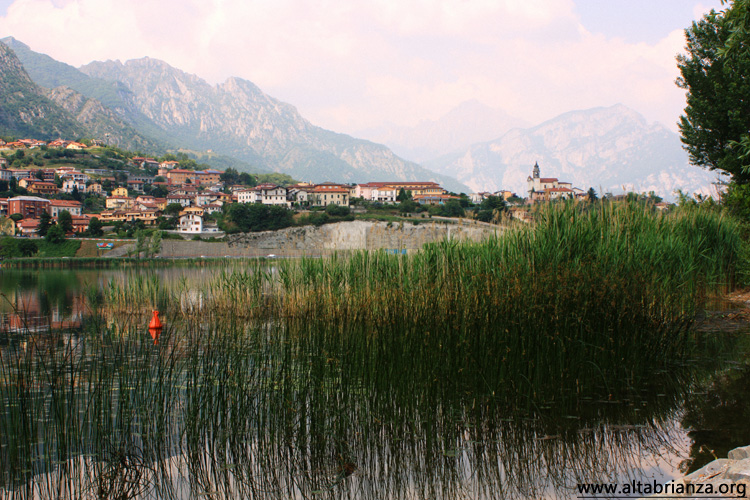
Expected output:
(236, 118)
(24, 109)
(609, 149)
(311, 240)
(100, 121)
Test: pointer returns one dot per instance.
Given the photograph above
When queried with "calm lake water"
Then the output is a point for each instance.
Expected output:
(93, 407)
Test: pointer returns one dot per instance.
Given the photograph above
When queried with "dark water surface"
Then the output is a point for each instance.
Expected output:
(219, 407)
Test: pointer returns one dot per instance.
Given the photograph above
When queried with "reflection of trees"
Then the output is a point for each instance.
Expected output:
(718, 417)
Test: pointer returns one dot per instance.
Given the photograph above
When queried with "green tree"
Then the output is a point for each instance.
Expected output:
(403, 195)
(140, 243)
(27, 248)
(155, 244)
(173, 209)
(591, 195)
(65, 221)
(45, 222)
(95, 227)
(714, 74)
(55, 235)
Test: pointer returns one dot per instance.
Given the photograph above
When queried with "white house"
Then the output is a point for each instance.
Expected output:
(191, 220)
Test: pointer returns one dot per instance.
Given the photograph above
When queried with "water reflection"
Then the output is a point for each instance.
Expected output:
(226, 409)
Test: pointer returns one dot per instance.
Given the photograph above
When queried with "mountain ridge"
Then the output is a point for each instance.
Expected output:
(609, 148)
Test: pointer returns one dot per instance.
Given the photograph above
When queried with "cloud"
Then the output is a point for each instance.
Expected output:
(351, 65)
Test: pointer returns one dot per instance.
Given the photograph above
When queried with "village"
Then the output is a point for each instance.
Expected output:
(146, 189)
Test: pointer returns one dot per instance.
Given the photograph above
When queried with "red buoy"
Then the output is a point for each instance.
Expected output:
(155, 321)
(155, 327)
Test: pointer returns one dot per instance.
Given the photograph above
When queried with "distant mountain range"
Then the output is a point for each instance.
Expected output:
(147, 105)
(610, 149)
(468, 123)
(178, 110)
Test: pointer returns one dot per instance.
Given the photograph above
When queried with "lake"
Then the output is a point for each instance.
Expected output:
(234, 406)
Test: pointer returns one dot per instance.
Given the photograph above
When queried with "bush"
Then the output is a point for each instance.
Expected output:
(337, 210)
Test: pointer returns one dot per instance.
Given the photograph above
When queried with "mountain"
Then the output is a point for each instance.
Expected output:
(610, 149)
(25, 111)
(83, 116)
(468, 123)
(237, 119)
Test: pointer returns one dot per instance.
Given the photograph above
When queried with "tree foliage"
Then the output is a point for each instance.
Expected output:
(714, 74)
(65, 220)
(246, 217)
(55, 235)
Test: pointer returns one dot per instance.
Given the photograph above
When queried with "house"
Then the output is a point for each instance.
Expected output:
(373, 190)
(270, 194)
(181, 176)
(31, 207)
(433, 199)
(81, 223)
(42, 187)
(95, 188)
(206, 198)
(330, 194)
(120, 191)
(76, 146)
(191, 220)
(148, 217)
(168, 165)
(245, 195)
(58, 143)
(57, 206)
(135, 185)
(21, 173)
(300, 193)
(118, 203)
(3, 162)
(214, 207)
(27, 227)
(182, 199)
(4, 207)
(70, 184)
(5, 174)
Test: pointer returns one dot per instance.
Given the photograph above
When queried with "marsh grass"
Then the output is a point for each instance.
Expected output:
(513, 368)
(585, 292)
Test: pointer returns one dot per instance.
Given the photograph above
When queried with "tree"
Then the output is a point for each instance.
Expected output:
(95, 227)
(403, 195)
(591, 195)
(173, 209)
(45, 222)
(714, 74)
(65, 221)
(155, 245)
(55, 235)
(140, 243)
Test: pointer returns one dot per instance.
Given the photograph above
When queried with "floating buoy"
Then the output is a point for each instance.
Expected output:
(155, 327)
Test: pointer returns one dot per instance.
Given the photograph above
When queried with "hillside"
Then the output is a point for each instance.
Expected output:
(237, 119)
(25, 111)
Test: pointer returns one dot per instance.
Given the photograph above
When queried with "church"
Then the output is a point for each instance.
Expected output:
(549, 188)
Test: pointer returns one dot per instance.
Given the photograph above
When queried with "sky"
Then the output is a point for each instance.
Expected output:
(350, 65)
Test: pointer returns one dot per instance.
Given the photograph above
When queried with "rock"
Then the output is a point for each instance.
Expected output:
(739, 471)
(739, 453)
(712, 469)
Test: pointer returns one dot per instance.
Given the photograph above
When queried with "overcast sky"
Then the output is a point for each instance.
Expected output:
(354, 64)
